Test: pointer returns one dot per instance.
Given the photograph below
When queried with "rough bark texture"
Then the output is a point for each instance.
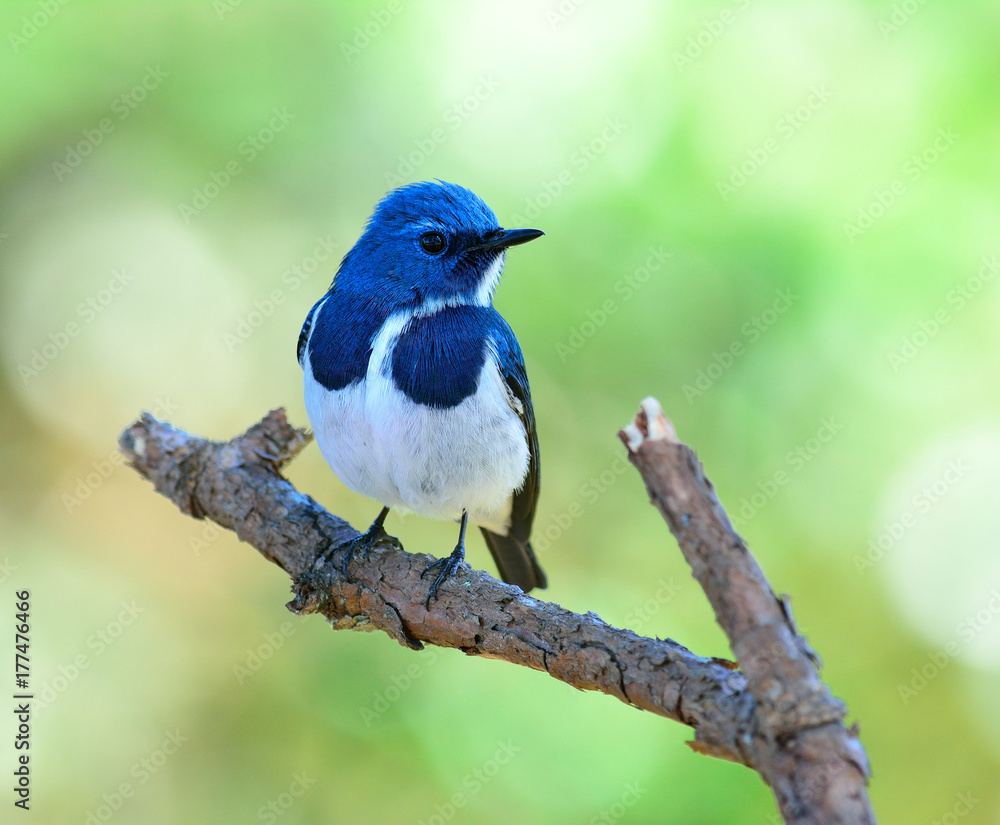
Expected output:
(815, 765)
(778, 719)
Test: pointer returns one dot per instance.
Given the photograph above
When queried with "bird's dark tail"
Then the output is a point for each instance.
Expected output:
(515, 560)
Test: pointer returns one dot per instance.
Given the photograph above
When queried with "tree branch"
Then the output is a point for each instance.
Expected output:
(791, 731)
(815, 765)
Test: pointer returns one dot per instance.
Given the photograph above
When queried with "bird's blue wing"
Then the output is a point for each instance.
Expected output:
(513, 553)
(343, 326)
(304, 334)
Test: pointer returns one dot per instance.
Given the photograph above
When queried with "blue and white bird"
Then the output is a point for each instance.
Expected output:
(415, 386)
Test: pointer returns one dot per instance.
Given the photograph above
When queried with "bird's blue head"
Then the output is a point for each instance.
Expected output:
(429, 242)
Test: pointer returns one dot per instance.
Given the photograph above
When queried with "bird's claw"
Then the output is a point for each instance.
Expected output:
(449, 566)
(363, 543)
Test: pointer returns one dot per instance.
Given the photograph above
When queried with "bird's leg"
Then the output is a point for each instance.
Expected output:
(375, 534)
(448, 565)
(377, 531)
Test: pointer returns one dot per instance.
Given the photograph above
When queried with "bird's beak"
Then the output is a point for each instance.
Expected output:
(503, 238)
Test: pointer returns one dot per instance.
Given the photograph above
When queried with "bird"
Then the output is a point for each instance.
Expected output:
(415, 386)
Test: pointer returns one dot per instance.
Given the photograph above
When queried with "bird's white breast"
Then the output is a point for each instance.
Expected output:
(436, 462)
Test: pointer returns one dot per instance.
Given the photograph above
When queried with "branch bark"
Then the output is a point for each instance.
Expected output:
(776, 717)
(813, 763)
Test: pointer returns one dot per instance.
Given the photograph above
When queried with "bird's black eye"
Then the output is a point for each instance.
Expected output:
(432, 242)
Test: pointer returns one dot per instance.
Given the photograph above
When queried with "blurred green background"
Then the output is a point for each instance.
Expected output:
(779, 218)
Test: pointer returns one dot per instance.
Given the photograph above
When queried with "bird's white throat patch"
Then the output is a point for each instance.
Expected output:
(483, 296)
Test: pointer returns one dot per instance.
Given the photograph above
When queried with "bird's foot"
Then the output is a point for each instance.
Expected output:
(448, 567)
(363, 543)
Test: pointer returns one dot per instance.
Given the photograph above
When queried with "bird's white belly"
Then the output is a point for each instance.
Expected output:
(436, 462)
